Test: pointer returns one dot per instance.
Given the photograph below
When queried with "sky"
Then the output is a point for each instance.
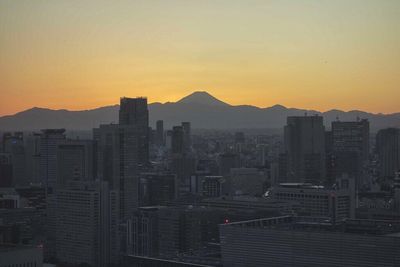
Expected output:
(314, 54)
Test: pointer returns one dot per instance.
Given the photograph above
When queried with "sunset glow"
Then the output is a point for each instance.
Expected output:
(306, 54)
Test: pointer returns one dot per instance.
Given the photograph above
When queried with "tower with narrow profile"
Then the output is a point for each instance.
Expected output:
(123, 152)
(305, 149)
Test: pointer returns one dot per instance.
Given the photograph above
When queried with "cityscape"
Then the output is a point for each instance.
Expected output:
(141, 195)
(199, 133)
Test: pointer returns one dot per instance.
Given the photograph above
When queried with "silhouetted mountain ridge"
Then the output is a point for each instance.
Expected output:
(200, 108)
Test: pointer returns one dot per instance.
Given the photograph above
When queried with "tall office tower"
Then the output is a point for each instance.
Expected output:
(119, 162)
(160, 133)
(6, 179)
(305, 149)
(75, 161)
(177, 142)
(388, 149)
(134, 112)
(14, 145)
(49, 141)
(32, 156)
(351, 136)
(350, 147)
(86, 224)
(187, 136)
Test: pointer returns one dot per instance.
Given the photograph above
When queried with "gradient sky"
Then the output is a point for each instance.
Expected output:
(307, 54)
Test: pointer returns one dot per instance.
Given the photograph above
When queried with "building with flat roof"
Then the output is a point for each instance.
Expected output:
(310, 241)
(18, 255)
(337, 203)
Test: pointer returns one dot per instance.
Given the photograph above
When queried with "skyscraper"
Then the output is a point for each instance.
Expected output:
(86, 224)
(178, 139)
(350, 147)
(388, 149)
(49, 141)
(187, 132)
(75, 161)
(305, 149)
(123, 152)
(133, 111)
(160, 133)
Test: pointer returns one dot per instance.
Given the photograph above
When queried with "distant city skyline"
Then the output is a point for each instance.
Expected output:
(306, 54)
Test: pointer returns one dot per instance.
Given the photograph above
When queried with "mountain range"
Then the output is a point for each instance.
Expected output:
(203, 110)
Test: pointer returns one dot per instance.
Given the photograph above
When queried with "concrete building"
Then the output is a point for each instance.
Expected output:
(119, 163)
(75, 161)
(247, 181)
(213, 186)
(157, 188)
(350, 148)
(87, 218)
(336, 203)
(187, 136)
(18, 255)
(14, 145)
(388, 149)
(49, 141)
(304, 147)
(6, 170)
(307, 241)
(160, 140)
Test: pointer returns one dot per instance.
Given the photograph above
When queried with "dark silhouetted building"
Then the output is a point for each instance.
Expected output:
(388, 149)
(305, 149)
(350, 148)
(160, 133)
(309, 241)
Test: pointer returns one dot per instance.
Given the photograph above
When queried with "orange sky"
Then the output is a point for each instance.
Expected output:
(306, 54)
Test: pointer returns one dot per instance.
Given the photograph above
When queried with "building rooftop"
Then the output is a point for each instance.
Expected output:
(322, 224)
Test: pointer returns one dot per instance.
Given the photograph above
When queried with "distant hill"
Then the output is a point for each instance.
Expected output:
(200, 108)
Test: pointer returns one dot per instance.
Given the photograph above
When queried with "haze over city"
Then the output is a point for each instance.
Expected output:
(306, 54)
(183, 133)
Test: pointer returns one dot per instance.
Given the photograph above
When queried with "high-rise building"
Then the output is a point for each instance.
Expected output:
(32, 156)
(187, 135)
(14, 145)
(160, 133)
(87, 224)
(350, 148)
(178, 139)
(75, 161)
(388, 149)
(119, 163)
(305, 149)
(6, 170)
(49, 141)
(133, 111)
